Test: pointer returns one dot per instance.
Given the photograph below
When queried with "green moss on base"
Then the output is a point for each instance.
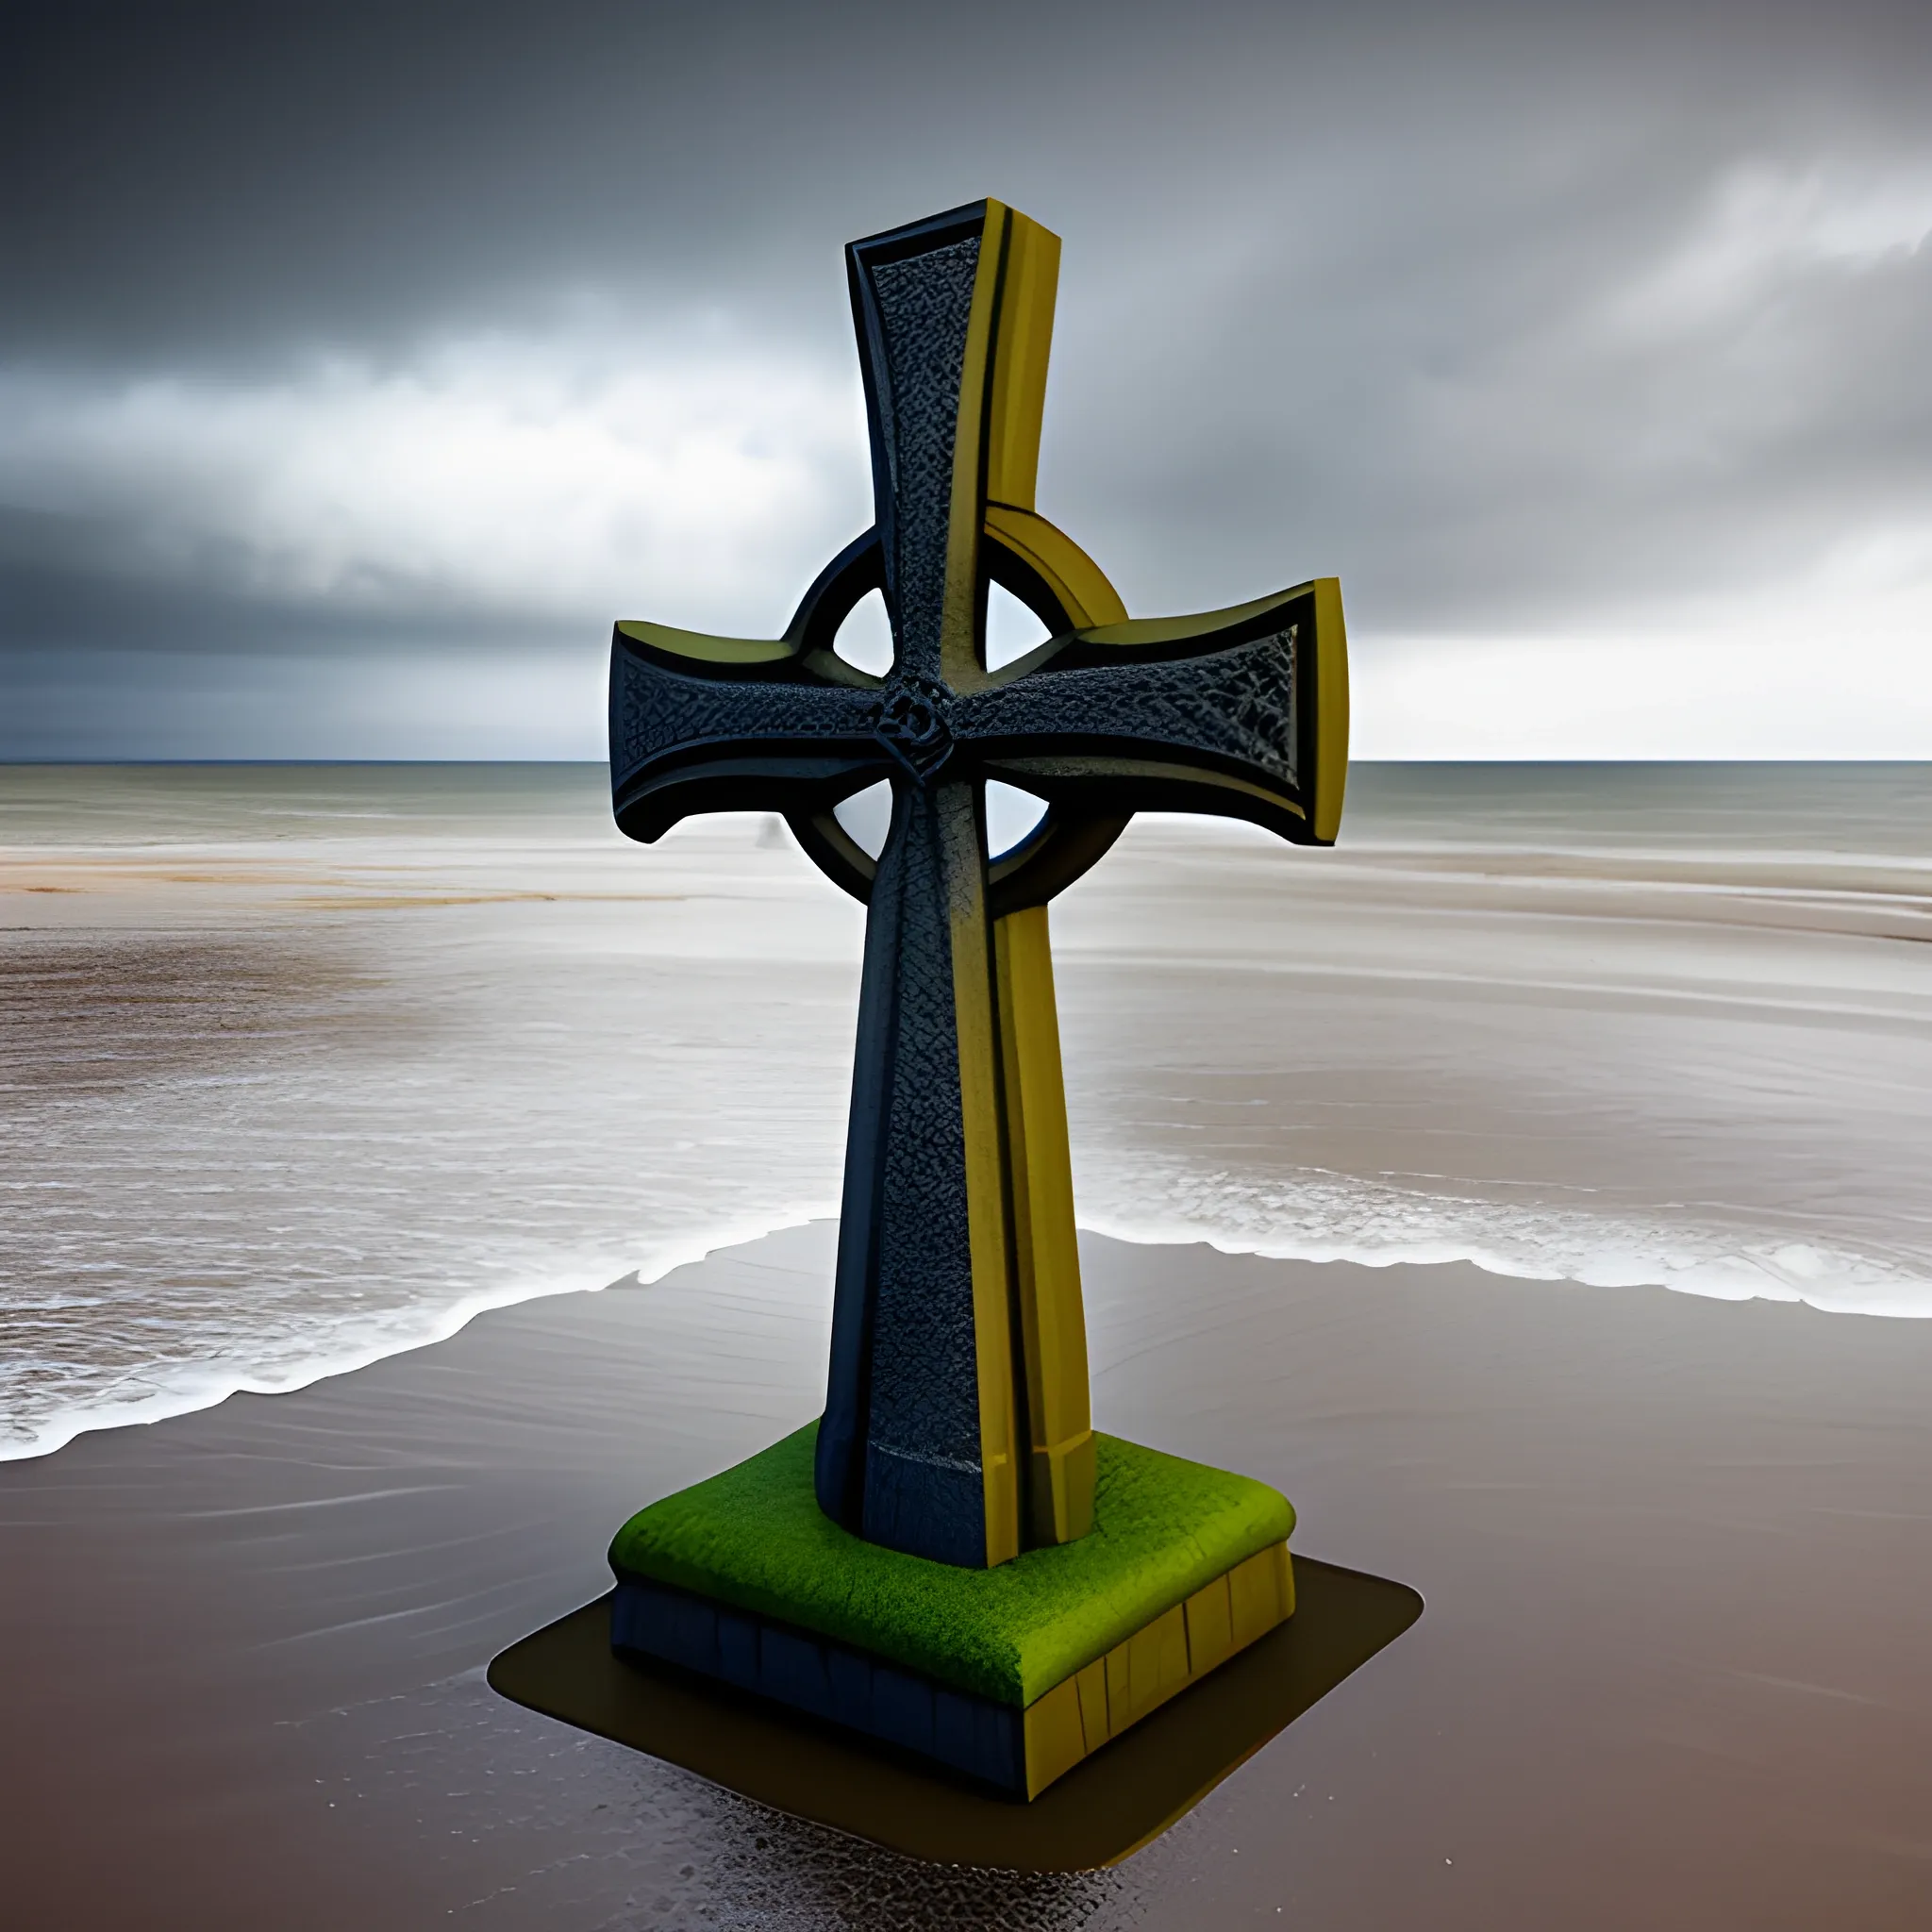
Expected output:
(755, 1537)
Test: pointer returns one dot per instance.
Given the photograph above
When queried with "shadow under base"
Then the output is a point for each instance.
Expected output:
(1103, 1810)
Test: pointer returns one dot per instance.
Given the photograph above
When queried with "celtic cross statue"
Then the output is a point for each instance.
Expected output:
(956, 1423)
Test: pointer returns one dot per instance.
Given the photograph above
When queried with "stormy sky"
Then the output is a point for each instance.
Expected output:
(360, 364)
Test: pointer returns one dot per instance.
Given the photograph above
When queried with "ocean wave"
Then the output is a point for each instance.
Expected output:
(1318, 1220)
(1317, 1217)
(1328, 1217)
(265, 1362)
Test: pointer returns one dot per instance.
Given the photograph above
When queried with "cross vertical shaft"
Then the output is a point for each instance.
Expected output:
(939, 1411)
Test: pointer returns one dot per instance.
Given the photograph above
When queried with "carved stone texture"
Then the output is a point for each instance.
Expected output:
(661, 711)
(924, 303)
(1236, 705)
(922, 1475)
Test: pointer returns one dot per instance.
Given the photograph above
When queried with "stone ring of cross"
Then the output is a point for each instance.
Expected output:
(957, 1228)
(1124, 718)
(1224, 712)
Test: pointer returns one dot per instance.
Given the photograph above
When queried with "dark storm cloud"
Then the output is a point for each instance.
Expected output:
(1516, 317)
(213, 179)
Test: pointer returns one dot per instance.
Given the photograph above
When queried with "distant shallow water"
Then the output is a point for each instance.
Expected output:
(302, 1065)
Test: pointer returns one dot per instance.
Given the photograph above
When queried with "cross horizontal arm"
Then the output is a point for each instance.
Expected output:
(711, 723)
(1229, 712)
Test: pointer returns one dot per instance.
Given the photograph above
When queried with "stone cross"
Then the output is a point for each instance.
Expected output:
(957, 1423)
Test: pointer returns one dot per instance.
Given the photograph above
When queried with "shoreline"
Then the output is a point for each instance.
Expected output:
(443, 1324)
(1734, 1279)
(1676, 1554)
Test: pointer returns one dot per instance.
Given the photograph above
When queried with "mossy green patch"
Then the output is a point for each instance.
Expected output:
(755, 1537)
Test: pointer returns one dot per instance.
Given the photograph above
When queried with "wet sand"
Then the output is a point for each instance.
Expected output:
(1674, 1671)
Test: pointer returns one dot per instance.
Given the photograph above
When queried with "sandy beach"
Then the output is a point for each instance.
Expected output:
(1676, 1553)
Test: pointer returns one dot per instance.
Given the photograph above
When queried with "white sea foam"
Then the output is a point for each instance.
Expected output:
(1318, 1220)
(283, 1363)
(1337, 1219)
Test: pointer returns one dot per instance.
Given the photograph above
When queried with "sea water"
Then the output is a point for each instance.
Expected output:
(302, 1065)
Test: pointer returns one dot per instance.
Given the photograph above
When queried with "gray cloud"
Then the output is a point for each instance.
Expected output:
(1526, 321)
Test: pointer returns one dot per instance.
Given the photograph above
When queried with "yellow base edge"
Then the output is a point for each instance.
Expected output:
(1160, 1660)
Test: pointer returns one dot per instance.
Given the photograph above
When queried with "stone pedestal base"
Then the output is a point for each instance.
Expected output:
(1010, 1675)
